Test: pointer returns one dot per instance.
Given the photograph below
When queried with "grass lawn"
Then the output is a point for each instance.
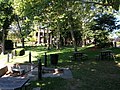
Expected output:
(87, 75)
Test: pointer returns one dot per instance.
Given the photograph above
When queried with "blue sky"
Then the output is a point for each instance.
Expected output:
(118, 18)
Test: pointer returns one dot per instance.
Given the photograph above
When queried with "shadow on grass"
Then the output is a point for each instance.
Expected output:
(87, 75)
(51, 84)
(66, 52)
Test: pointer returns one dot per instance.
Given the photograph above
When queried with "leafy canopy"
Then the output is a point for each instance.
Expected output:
(114, 3)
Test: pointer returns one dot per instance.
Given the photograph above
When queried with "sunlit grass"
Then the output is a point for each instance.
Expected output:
(2, 57)
(24, 58)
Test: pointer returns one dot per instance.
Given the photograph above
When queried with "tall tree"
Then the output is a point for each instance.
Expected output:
(61, 15)
(23, 22)
(6, 18)
(107, 3)
(104, 23)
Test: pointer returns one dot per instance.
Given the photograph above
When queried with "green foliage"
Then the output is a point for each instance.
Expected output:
(0, 36)
(19, 52)
(103, 25)
(58, 15)
(6, 14)
(117, 33)
(114, 3)
(104, 22)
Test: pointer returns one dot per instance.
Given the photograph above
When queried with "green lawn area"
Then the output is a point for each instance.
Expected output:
(87, 75)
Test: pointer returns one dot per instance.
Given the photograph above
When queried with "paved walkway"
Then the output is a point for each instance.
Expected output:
(3, 62)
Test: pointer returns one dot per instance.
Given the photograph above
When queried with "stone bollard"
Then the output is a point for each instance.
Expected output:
(45, 60)
(8, 57)
(39, 69)
(29, 57)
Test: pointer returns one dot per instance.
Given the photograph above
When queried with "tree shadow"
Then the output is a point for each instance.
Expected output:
(90, 73)
(66, 52)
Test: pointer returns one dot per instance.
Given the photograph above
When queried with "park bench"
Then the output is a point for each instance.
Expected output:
(105, 55)
(77, 56)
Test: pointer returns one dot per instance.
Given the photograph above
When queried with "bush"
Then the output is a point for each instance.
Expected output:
(19, 52)
(104, 45)
(8, 44)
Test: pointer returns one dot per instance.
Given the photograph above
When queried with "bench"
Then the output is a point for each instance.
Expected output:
(105, 55)
(77, 56)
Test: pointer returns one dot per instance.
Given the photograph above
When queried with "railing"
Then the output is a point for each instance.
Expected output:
(11, 56)
(39, 64)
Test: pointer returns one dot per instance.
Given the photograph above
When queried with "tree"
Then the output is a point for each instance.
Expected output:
(117, 33)
(73, 17)
(6, 18)
(107, 3)
(104, 23)
(61, 16)
(24, 26)
(23, 20)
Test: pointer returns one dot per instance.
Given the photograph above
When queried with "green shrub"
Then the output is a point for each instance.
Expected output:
(19, 51)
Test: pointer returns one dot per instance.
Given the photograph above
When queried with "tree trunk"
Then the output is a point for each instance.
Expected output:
(48, 40)
(84, 42)
(64, 41)
(58, 37)
(58, 41)
(61, 40)
(3, 42)
(51, 39)
(73, 40)
(22, 40)
(38, 40)
(71, 31)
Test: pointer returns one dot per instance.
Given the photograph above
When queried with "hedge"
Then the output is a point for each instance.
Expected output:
(18, 51)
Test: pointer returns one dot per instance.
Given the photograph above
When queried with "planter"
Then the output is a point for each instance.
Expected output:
(54, 59)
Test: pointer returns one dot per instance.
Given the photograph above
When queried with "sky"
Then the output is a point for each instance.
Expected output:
(118, 18)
